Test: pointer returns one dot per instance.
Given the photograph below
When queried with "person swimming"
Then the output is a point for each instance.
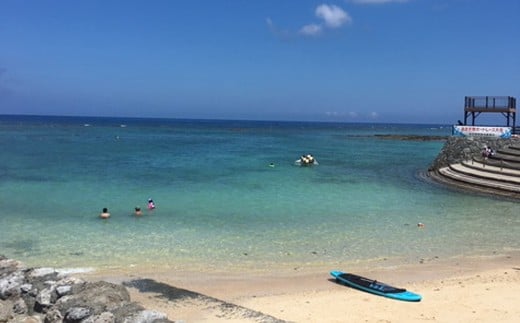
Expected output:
(138, 211)
(151, 204)
(104, 214)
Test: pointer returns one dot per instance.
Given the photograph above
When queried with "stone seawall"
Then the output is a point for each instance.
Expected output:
(457, 149)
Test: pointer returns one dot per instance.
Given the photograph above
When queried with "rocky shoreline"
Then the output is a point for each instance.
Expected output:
(457, 149)
(44, 295)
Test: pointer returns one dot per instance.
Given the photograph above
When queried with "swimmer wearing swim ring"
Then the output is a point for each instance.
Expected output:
(151, 204)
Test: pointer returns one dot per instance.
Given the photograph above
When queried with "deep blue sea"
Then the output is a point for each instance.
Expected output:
(219, 203)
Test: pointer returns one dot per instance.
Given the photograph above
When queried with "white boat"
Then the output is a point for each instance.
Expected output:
(306, 160)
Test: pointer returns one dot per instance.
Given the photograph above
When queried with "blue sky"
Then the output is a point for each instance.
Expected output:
(340, 60)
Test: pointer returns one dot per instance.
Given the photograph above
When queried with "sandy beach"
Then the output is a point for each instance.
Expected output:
(483, 289)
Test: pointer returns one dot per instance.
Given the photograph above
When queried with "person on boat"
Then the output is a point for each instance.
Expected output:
(138, 211)
(151, 204)
(104, 214)
(307, 160)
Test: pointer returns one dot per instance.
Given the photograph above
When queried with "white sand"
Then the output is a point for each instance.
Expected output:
(463, 290)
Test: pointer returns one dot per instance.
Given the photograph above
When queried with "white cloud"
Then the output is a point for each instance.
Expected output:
(333, 16)
(311, 30)
(374, 115)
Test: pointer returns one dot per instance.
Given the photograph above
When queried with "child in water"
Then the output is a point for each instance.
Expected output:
(104, 214)
(151, 204)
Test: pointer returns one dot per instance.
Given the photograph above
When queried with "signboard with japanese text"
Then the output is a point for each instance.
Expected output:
(476, 131)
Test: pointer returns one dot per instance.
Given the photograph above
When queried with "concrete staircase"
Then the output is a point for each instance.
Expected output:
(497, 175)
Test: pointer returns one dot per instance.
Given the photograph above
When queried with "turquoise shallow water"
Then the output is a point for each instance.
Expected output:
(219, 204)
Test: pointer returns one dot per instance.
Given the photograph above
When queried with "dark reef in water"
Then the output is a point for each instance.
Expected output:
(412, 137)
(172, 294)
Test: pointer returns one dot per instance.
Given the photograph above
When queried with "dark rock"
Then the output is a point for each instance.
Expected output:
(105, 317)
(37, 295)
(6, 311)
(126, 310)
(27, 319)
(146, 316)
(8, 266)
(76, 314)
(10, 285)
(99, 296)
(53, 316)
(43, 274)
(63, 290)
(28, 288)
(457, 149)
(45, 299)
(19, 306)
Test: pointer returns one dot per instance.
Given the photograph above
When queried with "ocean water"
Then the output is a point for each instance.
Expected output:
(220, 206)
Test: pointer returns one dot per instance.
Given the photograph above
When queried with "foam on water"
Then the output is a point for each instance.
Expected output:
(220, 205)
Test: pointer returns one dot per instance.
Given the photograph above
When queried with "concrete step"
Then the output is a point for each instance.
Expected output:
(515, 147)
(486, 175)
(500, 169)
(455, 175)
(499, 155)
(509, 151)
(498, 162)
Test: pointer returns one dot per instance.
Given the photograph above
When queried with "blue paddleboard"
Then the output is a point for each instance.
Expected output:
(375, 287)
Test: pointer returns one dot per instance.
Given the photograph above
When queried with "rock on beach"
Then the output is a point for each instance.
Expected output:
(43, 295)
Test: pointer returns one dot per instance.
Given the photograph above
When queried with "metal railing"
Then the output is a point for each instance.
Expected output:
(490, 102)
